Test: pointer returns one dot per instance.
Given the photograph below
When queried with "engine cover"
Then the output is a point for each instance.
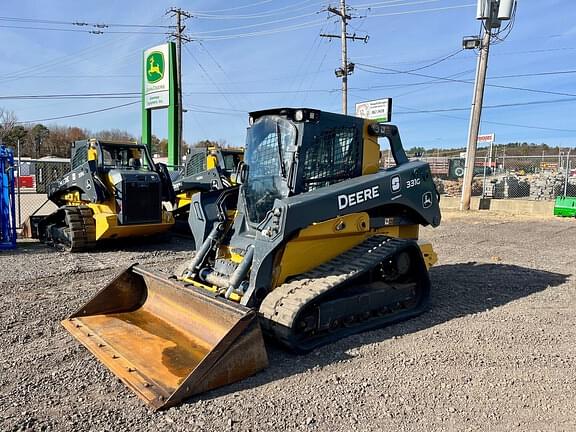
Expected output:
(138, 196)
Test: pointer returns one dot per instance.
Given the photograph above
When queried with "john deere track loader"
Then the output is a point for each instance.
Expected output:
(206, 169)
(323, 244)
(113, 190)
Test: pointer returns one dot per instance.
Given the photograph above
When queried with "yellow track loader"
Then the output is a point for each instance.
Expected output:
(206, 169)
(322, 244)
(113, 190)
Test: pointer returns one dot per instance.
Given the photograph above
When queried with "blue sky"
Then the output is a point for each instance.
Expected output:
(233, 71)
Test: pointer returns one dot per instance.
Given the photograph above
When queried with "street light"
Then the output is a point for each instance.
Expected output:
(471, 42)
(349, 70)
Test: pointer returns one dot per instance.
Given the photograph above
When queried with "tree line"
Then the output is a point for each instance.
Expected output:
(39, 140)
(509, 149)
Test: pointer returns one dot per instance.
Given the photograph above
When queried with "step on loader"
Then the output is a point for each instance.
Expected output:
(322, 244)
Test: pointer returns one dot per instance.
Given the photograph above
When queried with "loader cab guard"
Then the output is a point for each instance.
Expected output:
(289, 151)
(126, 156)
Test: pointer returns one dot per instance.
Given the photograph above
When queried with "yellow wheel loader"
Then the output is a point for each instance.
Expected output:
(323, 244)
(113, 190)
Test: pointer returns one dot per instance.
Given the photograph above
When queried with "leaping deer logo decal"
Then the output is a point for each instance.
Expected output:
(155, 67)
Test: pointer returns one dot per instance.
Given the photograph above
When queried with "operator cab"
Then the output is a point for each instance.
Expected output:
(289, 151)
(111, 155)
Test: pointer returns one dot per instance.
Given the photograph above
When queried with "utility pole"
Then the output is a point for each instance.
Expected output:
(346, 68)
(474, 126)
(179, 35)
(344, 55)
(19, 185)
(491, 12)
(568, 167)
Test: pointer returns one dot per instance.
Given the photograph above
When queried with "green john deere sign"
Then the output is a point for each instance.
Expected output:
(159, 90)
(154, 67)
(157, 71)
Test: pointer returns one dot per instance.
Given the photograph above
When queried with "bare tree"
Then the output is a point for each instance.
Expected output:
(115, 135)
(7, 122)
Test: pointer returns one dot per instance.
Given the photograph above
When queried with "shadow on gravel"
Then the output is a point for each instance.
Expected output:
(160, 242)
(175, 243)
(28, 247)
(457, 290)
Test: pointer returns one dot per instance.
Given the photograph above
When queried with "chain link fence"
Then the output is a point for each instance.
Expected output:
(32, 179)
(506, 177)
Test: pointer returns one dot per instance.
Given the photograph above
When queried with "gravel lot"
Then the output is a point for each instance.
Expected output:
(496, 351)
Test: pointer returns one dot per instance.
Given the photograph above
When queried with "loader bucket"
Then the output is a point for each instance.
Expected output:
(168, 341)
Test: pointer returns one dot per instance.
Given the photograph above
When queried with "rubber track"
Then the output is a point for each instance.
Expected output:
(81, 228)
(282, 306)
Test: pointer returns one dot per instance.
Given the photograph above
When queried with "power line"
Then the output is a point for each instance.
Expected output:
(434, 63)
(444, 80)
(61, 61)
(119, 95)
(440, 110)
(378, 4)
(543, 50)
(220, 92)
(308, 24)
(79, 114)
(505, 105)
(80, 23)
(394, 4)
(534, 74)
(396, 96)
(363, 67)
(229, 110)
(422, 10)
(235, 8)
(529, 126)
(278, 11)
(261, 92)
(306, 64)
(97, 32)
(218, 65)
(79, 76)
(257, 24)
(501, 123)
(370, 88)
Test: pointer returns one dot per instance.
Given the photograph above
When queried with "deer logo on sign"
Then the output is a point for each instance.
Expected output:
(155, 67)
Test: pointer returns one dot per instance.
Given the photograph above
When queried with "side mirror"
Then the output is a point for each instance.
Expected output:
(242, 173)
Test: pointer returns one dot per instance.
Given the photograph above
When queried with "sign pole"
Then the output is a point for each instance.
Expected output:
(160, 90)
(146, 113)
(173, 111)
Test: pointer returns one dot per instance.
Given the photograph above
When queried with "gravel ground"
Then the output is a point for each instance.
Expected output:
(495, 352)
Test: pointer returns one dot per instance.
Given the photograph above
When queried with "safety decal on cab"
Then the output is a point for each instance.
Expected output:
(427, 200)
(355, 198)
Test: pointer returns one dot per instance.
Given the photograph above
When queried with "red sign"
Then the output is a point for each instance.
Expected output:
(486, 138)
(25, 181)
